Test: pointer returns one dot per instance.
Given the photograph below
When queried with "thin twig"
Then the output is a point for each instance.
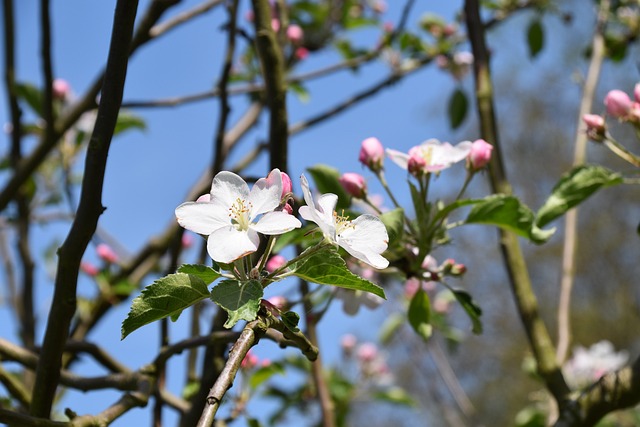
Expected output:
(579, 157)
(181, 18)
(526, 301)
(327, 407)
(89, 210)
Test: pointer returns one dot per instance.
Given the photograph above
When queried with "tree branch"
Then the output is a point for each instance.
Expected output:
(89, 210)
(525, 299)
(273, 74)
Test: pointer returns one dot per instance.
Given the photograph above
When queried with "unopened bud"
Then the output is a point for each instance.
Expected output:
(354, 184)
(372, 154)
(618, 104)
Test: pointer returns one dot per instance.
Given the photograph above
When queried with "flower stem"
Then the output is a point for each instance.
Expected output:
(621, 151)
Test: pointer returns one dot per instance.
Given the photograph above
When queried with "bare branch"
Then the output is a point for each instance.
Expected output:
(89, 210)
(183, 17)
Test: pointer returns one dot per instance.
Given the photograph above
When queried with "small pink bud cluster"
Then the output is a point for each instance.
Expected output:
(620, 105)
(354, 184)
(479, 156)
(372, 154)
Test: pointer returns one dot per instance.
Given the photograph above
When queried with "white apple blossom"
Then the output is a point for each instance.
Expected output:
(365, 238)
(430, 156)
(234, 216)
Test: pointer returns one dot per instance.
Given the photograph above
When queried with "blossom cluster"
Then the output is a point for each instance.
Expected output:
(233, 218)
(589, 364)
(619, 105)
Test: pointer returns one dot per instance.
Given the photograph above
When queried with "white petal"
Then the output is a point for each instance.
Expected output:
(327, 204)
(327, 228)
(227, 187)
(399, 158)
(202, 218)
(265, 194)
(228, 244)
(276, 223)
(308, 199)
(446, 154)
(366, 240)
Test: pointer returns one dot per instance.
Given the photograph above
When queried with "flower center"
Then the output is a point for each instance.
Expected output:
(342, 223)
(239, 213)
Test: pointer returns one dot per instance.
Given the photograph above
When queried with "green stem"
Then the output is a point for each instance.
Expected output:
(621, 151)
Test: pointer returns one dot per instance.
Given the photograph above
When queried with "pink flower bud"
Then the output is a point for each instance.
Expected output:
(596, 127)
(275, 262)
(618, 104)
(187, 240)
(89, 269)
(380, 6)
(250, 360)
(295, 34)
(367, 352)
(348, 343)
(61, 89)
(275, 24)
(372, 154)
(107, 254)
(636, 92)
(634, 114)
(301, 53)
(287, 187)
(288, 209)
(265, 363)
(411, 286)
(278, 301)
(354, 184)
(480, 155)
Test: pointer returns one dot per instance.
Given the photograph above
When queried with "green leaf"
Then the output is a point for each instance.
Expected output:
(359, 22)
(327, 267)
(241, 300)
(327, 180)
(574, 187)
(458, 106)
(300, 91)
(128, 121)
(395, 395)
(165, 297)
(419, 314)
(535, 38)
(207, 274)
(394, 222)
(264, 373)
(508, 213)
(31, 95)
(473, 310)
(291, 320)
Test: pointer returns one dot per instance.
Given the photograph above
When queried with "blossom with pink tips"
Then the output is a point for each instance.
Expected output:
(275, 262)
(354, 184)
(187, 240)
(372, 154)
(618, 104)
(287, 186)
(295, 34)
(430, 156)
(107, 254)
(480, 155)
